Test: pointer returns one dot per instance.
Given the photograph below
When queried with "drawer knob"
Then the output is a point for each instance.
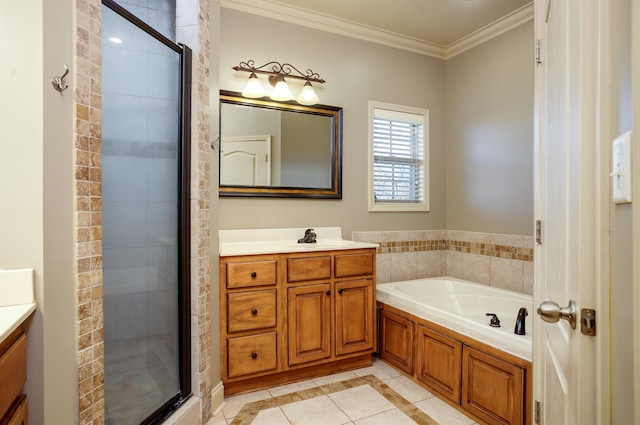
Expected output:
(254, 274)
(328, 292)
(254, 355)
(254, 311)
(340, 291)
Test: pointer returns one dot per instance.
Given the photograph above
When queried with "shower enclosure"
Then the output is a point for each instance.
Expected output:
(145, 218)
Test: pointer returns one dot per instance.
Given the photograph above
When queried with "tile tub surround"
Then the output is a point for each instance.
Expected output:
(374, 395)
(503, 261)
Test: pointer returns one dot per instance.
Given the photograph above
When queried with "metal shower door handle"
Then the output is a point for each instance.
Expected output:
(551, 312)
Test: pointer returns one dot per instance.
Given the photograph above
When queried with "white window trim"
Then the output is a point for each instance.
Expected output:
(387, 207)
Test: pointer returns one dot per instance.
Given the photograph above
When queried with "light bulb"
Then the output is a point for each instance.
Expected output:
(281, 91)
(308, 96)
(254, 88)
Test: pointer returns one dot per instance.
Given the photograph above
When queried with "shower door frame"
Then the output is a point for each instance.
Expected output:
(184, 214)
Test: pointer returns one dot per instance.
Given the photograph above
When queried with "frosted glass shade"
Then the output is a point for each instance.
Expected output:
(308, 96)
(281, 91)
(254, 88)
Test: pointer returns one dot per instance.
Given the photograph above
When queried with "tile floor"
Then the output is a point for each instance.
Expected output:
(376, 395)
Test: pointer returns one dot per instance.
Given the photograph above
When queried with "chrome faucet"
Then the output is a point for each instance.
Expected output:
(522, 314)
(309, 237)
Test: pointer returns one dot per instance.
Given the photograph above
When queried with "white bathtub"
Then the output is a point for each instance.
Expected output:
(462, 306)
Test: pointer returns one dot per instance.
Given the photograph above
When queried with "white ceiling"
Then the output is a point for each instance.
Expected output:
(438, 23)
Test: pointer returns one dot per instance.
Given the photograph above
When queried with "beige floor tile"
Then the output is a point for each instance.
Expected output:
(273, 416)
(395, 417)
(336, 377)
(443, 413)
(361, 402)
(408, 389)
(379, 369)
(316, 411)
(292, 388)
(235, 403)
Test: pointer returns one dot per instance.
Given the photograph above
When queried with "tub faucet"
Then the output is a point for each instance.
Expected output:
(495, 322)
(309, 237)
(519, 330)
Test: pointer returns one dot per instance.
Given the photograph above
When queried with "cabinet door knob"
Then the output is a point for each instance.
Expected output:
(254, 311)
(328, 292)
(254, 355)
(254, 274)
(340, 291)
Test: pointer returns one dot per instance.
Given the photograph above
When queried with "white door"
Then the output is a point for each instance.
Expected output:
(564, 359)
(245, 161)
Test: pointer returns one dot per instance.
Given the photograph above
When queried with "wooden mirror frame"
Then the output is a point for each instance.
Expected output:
(334, 112)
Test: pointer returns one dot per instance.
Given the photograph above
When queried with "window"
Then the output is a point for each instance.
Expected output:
(398, 158)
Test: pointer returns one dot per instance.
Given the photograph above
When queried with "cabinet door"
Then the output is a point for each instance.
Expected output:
(492, 389)
(354, 316)
(309, 309)
(438, 365)
(396, 340)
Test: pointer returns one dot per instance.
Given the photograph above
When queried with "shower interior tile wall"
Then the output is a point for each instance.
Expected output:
(502, 261)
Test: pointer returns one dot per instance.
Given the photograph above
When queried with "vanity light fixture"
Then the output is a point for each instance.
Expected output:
(277, 73)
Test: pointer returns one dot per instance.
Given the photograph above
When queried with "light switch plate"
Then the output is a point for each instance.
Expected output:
(621, 169)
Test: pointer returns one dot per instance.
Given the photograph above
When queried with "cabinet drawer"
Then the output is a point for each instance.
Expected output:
(13, 373)
(354, 265)
(251, 310)
(251, 273)
(308, 268)
(18, 414)
(252, 354)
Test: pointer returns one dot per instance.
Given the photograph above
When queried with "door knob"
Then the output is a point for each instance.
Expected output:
(551, 312)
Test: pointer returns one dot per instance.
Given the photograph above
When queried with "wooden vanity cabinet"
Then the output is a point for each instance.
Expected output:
(13, 376)
(292, 316)
(309, 308)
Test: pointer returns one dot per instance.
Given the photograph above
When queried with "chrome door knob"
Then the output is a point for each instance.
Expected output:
(551, 312)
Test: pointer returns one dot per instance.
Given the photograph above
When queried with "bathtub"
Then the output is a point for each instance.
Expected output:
(462, 306)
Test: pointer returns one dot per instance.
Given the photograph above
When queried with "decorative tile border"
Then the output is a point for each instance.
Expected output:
(250, 410)
(488, 249)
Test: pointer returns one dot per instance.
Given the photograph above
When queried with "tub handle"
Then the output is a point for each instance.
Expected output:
(495, 322)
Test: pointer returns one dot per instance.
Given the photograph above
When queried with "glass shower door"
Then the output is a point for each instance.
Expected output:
(145, 257)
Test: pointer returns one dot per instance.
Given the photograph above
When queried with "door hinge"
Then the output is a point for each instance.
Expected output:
(536, 415)
(539, 232)
(538, 50)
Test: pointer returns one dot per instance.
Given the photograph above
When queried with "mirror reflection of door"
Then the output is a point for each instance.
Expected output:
(245, 161)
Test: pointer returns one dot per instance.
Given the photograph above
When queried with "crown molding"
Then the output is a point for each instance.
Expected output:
(352, 29)
(334, 25)
(492, 30)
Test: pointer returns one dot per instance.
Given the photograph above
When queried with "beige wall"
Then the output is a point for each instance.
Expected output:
(489, 128)
(622, 400)
(36, 194)
(356, 71)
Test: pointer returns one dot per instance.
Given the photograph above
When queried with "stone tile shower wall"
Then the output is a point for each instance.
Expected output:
(502, 261)
(87, 97)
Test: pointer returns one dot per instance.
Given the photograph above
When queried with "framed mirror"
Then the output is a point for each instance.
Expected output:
(279, 149)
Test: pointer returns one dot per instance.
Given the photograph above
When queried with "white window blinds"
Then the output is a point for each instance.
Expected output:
(398, 157)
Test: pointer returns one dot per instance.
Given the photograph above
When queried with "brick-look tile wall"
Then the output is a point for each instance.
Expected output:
(86, 75)
(88, 211)
(200, 205)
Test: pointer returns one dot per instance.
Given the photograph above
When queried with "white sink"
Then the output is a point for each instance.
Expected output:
(270, 241)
